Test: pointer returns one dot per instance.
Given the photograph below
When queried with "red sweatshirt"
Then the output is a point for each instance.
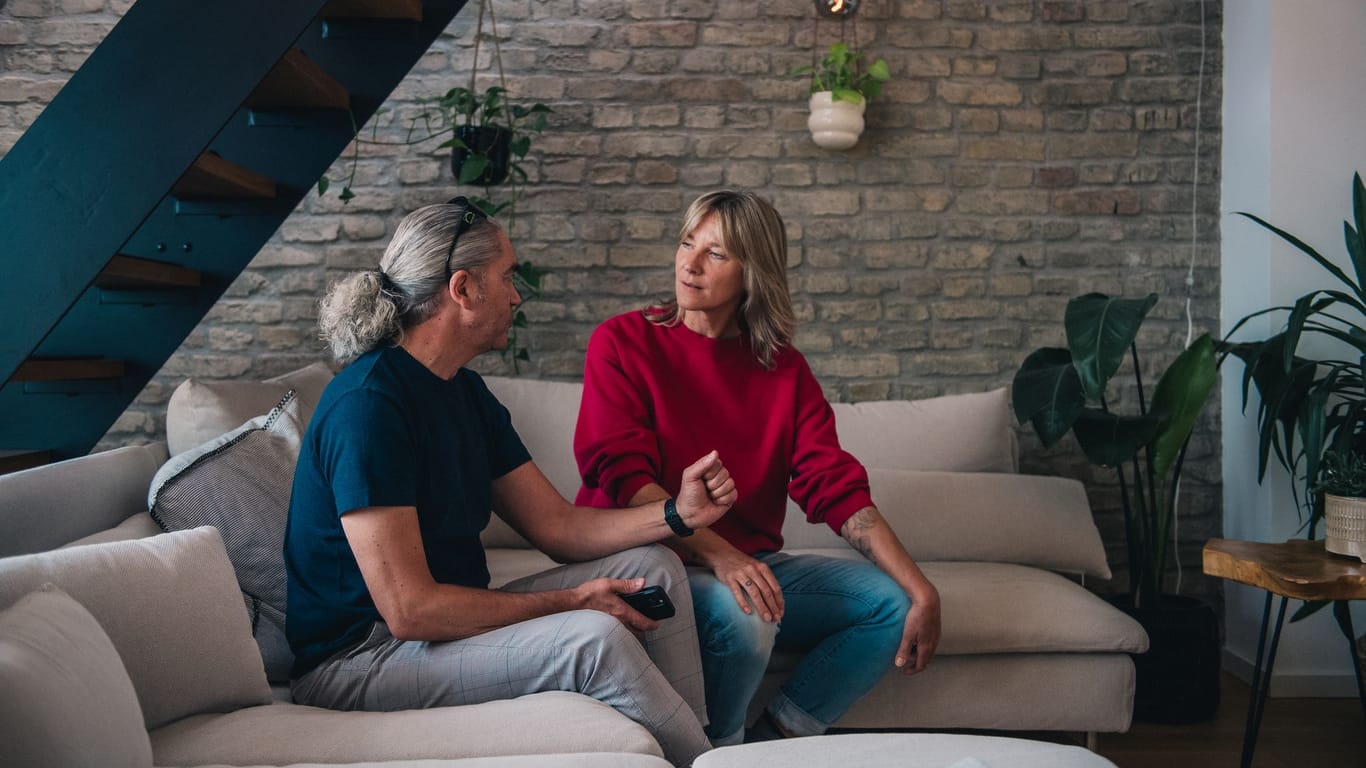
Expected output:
(656, 399)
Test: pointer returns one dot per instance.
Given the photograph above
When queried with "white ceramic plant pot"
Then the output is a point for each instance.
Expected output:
(835, 124)
(1345, 525)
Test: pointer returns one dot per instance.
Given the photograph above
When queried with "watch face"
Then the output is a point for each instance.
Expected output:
(837, 9)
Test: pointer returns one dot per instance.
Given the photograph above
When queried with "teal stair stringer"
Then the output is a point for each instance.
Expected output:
(153, 178)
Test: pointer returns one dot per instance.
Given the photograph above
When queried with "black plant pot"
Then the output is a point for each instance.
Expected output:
(493, 143)
(1178, 676)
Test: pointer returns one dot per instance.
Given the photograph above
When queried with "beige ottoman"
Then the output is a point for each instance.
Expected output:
(902, 750)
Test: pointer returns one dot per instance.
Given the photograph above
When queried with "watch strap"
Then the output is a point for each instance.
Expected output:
(672, 518)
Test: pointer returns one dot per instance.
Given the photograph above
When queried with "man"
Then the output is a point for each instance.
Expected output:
(406, 454)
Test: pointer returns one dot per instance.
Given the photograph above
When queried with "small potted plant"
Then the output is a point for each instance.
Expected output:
(1342, 480)
(840, 92)
(490, 137)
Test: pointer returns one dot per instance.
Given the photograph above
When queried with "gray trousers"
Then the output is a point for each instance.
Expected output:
(658, 685)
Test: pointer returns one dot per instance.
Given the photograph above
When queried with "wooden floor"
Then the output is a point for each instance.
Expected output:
(1296, 733)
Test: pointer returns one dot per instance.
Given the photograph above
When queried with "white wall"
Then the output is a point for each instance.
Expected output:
(1294, 131)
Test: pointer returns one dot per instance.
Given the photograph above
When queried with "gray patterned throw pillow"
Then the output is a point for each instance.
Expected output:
(240, 484)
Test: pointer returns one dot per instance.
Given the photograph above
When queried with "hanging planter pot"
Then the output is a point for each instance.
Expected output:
(835, 124)
(484, 157)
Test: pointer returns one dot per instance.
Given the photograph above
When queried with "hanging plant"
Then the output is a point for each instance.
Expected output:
(489, 138)
(839, 94)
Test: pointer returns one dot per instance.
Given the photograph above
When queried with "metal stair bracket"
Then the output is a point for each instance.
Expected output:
(155, 176)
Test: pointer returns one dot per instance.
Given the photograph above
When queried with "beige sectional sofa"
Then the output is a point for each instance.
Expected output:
(1025, 647)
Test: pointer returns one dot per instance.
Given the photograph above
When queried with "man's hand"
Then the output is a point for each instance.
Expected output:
(920, 634)
(605, 595)
(707, 492)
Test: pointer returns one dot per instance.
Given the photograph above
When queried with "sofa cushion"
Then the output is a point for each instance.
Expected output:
(45, 507)
(67, 698)
(137, 526)
(240, 483)
(542, 723)
(544, 413)
(171, 607)
(992, 608)
(201, 410)
(512, 563)
(1004, 608)
(956, 433)
(978, 516)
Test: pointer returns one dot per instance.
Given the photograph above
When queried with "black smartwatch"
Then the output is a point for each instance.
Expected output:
(675, 522)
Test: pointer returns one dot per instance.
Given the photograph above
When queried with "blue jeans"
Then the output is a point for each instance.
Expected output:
(846, 616)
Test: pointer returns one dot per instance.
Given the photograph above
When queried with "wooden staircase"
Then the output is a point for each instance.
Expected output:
(153, 178)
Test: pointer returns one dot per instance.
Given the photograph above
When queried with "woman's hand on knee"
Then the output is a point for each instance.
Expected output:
(750, 580)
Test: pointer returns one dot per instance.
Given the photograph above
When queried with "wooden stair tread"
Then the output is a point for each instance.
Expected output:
(409, 10)
(13, 461)
(213, 178)
(297, 82)
(132, 272)
(67, 369)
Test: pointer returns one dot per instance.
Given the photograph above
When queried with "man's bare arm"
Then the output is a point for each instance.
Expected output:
(387, 543)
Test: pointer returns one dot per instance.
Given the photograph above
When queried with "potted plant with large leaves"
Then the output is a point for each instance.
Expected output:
(1067, 389)
(1311, 413)
(840, 91)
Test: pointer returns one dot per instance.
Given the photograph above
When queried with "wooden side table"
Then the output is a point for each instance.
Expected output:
(1299, 569)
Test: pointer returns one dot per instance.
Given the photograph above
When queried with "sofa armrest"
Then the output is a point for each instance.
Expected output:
(48, 506)
(979, 516)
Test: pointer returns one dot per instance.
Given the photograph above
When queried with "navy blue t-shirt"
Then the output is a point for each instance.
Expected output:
(388, 432)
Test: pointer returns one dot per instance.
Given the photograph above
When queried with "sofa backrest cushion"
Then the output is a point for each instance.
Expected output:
(959, 433)
(45, 507)
(240, 484)
(171, 607)
(1033, 520)
(67, 699)
(956, 433)
(544, 414)
(200, 410)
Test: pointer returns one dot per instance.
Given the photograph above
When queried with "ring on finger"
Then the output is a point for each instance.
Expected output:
(749, 582)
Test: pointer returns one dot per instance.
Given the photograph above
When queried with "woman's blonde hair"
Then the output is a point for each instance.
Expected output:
(366, 309)
(752, 232)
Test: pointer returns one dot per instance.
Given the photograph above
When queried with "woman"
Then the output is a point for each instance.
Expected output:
(715, 366)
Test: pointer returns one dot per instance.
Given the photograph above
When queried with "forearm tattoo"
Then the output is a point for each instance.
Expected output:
(858, 530)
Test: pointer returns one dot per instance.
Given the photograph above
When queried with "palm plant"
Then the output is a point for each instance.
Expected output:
(1312, 407)
(1058, 390)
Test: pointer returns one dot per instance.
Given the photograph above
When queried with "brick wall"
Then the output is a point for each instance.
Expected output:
(1024, 153)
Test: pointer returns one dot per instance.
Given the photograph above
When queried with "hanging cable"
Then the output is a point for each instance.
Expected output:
(1190, 270)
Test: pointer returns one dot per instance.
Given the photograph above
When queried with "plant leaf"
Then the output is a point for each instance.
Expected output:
(1047, 393)
(1181, 393)
(323, 184)
(879, 71)
(1310, 252)
(1109, 439)
(1308, 608)
(473, 168)
(846, 94)
(1099, 332)
(346, 194)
